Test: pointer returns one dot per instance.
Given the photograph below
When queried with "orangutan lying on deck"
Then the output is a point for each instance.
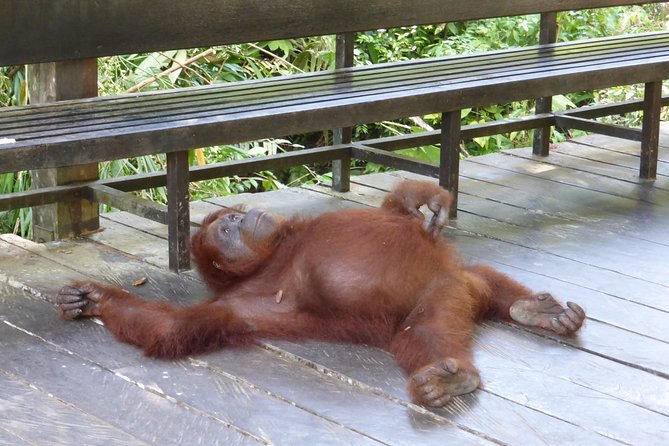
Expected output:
(377, 276)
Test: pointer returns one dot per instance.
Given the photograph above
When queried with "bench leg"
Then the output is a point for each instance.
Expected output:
(178, 211)
(58, 81)
(341, 168)
(650, 136)
(449, 163)
(542, 136)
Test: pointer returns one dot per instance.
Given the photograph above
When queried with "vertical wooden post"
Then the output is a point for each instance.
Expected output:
(178, 210)
(449, 162)
(51, 82)
(542, 136)
(341, 168)
(650, 136)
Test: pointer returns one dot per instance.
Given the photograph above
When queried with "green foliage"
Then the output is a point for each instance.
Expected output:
(17, 221)
(13, 92)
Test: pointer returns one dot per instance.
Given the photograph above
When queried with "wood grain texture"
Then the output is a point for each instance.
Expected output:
(574, 224)
(61, 135)
(73, 29)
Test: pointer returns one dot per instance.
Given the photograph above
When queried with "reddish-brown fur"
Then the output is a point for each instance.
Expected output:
(373, 276)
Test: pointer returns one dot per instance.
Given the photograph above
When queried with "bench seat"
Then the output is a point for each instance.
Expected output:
(81, 131)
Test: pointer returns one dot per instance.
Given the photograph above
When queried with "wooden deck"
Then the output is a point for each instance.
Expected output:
(579, 224)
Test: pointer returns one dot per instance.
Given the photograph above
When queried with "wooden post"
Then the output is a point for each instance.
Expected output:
(51, 82)
(650, 135)
(449, 162)
(341, 168)
(542, 136)
(178, 210)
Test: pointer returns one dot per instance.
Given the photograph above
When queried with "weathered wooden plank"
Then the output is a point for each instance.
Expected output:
(11, 439)
(98, 262)
(642, 351)
(128, 202)
(102, 29)
(120, 402)
(35, 121)
(628, 161)
(500, 344)
(603, 170)
(145, 246)
(507, 376)
(624, 146)
(38, 121)
(285, 202)
(185, 385)
(361, 408)
(588, 125)
(227, 126)
(480, 410)
(609, 213)
(644, 192)
(17, 264)
(36, 418)
(133, 221)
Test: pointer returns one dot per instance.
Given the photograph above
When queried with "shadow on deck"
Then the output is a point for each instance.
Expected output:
(578, 223)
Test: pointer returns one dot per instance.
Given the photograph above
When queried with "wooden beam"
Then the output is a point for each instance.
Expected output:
(159, 179)
(587, 125)
(394, 160)
(449, 164)
(178, 211)
(651, 129)
(542, 135)
(65, 219)
(72, 29)
(616, 108)
(341, 168)
(467, 132)
(125, 201)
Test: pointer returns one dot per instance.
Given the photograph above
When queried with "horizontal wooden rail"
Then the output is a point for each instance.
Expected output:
(75, 29)
(110, 191)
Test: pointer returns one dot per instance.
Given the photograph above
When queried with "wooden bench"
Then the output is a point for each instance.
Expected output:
(68, 126)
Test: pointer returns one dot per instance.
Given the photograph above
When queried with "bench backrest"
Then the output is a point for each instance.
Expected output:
(34, 31)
